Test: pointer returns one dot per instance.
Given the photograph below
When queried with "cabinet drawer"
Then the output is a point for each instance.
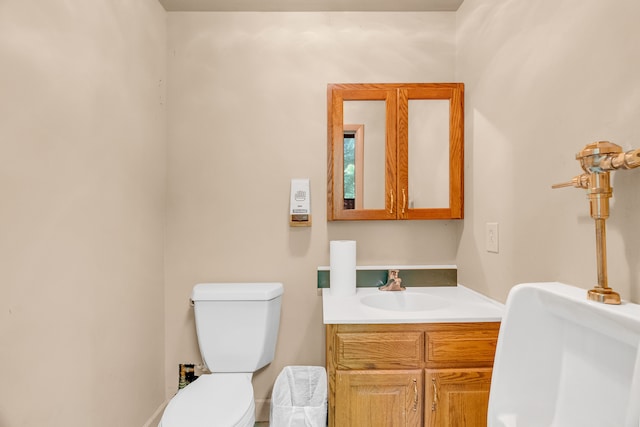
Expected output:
(460, 348)
(379, 350)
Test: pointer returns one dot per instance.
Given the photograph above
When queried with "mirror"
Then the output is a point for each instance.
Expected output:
(428, 153)
(364, 150)
(395, 151)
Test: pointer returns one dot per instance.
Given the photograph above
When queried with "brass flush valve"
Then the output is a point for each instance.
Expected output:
(597, 160)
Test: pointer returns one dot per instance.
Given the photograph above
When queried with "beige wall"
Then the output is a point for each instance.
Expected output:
(82, 181)
(247, 113)
(88, 335)
(543, 79)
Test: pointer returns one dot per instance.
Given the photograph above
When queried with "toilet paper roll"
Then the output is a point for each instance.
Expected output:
(342, 269)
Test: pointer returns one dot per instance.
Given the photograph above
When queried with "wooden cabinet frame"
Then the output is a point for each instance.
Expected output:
(396, 98)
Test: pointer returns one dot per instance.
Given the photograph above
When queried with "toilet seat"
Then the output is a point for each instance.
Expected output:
(220, 400)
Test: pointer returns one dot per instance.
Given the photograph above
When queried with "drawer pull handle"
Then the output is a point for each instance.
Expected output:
(435, 395)
(415, 395)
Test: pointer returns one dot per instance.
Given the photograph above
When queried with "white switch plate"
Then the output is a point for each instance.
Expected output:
(491, 237)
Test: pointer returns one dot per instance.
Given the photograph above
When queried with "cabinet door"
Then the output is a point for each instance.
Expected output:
(457, 397)
(430, 151)
(362, 179)
(379, 398)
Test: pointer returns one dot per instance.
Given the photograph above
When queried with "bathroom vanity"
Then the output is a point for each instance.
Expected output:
(418, 357)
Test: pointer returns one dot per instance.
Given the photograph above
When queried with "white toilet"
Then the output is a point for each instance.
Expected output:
(565, 361)
(237, 326)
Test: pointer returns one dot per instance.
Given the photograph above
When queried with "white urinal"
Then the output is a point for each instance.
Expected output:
(564, 361)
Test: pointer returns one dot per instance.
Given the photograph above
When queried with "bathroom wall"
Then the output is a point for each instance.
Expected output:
(84, 121)
(543, 79)
(247, 113)
(82, 182)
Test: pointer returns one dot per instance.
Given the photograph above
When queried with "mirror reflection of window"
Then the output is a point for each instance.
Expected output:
(353, 163)
(349, 170)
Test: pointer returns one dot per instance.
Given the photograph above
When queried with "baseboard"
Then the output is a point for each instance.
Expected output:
(263, 408)
(154, 420)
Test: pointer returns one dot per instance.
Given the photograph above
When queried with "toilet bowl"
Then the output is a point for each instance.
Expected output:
(565, 361)
(237, 327)
(213, 400)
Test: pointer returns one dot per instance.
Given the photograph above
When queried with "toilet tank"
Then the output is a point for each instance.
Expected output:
(237, 324)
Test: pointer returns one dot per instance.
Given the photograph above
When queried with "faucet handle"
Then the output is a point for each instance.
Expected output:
(392, 274)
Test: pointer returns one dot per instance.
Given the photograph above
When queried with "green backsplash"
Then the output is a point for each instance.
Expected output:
(446, 276)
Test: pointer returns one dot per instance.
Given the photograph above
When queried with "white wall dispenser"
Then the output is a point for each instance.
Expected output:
(300, 204)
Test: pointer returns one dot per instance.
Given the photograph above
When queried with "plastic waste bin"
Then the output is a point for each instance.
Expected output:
(299, 397)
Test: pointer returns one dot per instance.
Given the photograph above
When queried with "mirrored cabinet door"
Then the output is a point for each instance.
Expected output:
(362, 152)
(430, 151)
(395, 151)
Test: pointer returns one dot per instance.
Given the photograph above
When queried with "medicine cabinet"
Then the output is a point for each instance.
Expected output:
(395, 151)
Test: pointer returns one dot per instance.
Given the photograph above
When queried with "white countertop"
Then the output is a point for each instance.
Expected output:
(455, 304)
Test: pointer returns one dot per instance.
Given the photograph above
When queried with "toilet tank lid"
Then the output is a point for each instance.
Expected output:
(258, 291)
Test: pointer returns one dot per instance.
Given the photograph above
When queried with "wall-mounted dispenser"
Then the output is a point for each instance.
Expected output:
(300, 204)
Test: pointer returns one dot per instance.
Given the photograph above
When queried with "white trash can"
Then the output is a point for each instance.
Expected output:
(299, 397)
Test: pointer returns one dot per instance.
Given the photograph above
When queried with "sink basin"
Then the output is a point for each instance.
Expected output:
(404, 301)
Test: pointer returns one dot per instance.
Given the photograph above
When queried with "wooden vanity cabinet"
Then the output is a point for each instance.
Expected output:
(428, 374)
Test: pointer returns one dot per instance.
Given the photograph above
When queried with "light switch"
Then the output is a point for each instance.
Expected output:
(491, 237)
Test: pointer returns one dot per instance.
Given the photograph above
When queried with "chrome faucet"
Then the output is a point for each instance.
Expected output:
(394, 283)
